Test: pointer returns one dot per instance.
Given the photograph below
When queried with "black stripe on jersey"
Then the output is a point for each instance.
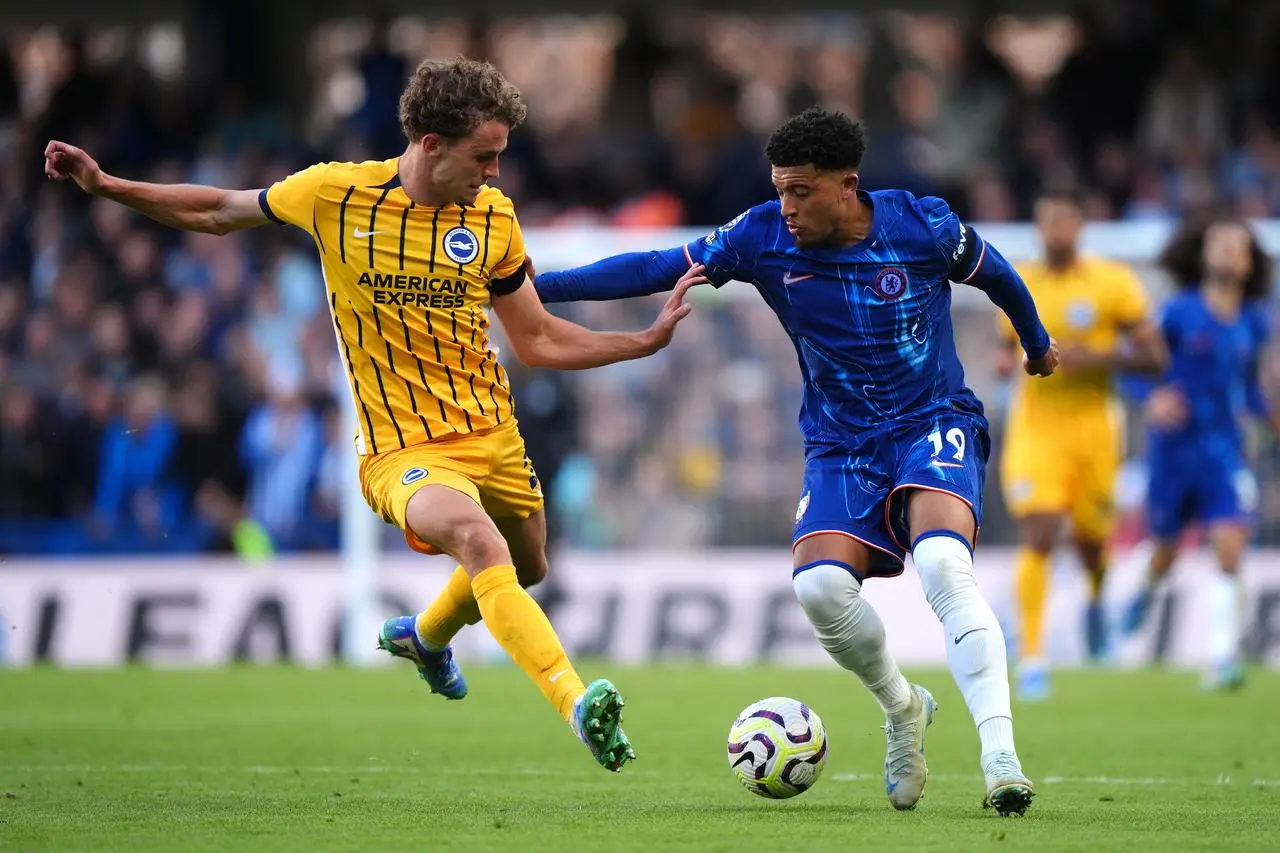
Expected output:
(435, 223)
(355, 382)
(474, 323)
(462, 363)
(484, 259)
(391, 365)
(315, 229)
(511, 398)
(431, 334)
(404, 227)
(373, 217)
(342, 224)
(461, 356)
(422, 374)
(462, 223)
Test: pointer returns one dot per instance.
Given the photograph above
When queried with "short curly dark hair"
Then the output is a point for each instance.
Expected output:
(452, 97)
(829, 140)
(1183, 256)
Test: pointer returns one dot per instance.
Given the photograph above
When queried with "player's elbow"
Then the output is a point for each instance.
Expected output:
(534, 351)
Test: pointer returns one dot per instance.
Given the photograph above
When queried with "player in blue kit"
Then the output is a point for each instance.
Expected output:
(896, 444)
(1215, 330)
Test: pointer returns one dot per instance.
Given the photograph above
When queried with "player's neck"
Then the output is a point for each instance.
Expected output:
(415, 180)
(1062, 260)
(856, 227)
(1223, 298)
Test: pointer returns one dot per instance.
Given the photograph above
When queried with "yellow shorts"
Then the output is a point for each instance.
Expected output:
(491, 468)
(1063, 467)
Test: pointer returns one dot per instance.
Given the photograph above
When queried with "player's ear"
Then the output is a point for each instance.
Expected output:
(849, 185)
(432, 144)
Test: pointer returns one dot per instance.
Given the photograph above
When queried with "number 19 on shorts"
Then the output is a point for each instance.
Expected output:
(954, 442)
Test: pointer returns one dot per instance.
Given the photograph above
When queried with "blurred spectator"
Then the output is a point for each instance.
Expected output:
(281, 448)
(137, 493)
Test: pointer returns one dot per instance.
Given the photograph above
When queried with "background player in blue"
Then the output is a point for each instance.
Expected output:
(896, 445)
(1215, 329)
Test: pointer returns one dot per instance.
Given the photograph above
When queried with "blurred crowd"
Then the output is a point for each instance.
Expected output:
(162, 391)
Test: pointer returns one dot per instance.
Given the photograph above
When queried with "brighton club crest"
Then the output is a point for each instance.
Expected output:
(890, 284)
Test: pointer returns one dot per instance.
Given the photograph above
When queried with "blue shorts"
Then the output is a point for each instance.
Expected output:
(1209, 490)
(858, 488)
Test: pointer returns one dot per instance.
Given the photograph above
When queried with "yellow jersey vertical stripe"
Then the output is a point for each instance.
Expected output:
(355, 379)
(373, 222)
(422, 376)
(391, 366)
(342, 224)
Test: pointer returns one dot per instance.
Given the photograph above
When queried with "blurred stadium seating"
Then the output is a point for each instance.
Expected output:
(169, 392)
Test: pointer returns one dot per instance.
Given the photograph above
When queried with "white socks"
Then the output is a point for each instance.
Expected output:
(1226, 610)
(851, 631)
(975, 644)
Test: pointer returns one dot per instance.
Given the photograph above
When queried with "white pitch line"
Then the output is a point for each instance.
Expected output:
(1118, 781)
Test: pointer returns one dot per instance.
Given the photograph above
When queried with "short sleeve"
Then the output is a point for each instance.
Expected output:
(721, 251)
(509, 274)
(1129, 305)
(961, 247)
(292, 201)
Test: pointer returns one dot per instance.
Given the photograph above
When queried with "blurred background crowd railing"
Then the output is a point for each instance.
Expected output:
(162, 391)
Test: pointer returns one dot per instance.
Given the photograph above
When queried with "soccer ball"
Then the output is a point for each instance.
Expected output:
(777, 748)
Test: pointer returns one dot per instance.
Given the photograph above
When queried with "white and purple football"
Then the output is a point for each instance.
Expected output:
(777, 748)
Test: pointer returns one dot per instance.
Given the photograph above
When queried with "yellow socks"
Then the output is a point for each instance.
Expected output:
(1031, 586)
(454, 608)
(522, 629)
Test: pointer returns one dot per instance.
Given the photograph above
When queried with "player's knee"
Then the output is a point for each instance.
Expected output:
(1039, 532)
(826, 592)
(946, 571)
(477, 545)
(531, 569)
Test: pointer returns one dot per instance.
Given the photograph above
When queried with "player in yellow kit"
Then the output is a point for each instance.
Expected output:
(414, 251)
(1063, 439)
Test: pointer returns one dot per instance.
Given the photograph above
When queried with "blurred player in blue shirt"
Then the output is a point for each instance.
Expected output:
(896, 444)
(1215, 328)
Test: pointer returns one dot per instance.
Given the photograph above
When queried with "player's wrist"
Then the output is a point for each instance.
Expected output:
(107, 186)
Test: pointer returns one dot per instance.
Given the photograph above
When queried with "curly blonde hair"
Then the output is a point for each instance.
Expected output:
(452, 97)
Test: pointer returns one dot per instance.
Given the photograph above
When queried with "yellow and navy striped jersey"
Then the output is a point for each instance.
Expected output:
(1090, 304)
(409, 288)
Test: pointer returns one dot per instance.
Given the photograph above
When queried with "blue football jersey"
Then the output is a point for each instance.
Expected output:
(871, 323)
(1213, 363)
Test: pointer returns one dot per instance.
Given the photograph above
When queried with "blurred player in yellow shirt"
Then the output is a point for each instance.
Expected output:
(415, 250)
(1063, 438)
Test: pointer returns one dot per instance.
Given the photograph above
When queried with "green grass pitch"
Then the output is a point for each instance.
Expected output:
(279, 759)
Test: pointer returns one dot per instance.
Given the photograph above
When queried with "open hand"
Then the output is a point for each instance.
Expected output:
(1166, 408)
(63, 161)
(1045, 365)
(675, 309)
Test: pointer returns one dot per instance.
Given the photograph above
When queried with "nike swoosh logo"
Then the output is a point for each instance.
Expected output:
(552, 678)
(792, 279)
(360, 235)
(967, 633)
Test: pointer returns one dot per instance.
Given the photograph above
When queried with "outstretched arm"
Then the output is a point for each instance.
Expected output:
(186, 206)
(979, 265)
(618, 277)
(541, 339)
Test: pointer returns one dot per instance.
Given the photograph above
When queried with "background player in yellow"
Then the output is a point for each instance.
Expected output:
(414, 251)
(1063, 437)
